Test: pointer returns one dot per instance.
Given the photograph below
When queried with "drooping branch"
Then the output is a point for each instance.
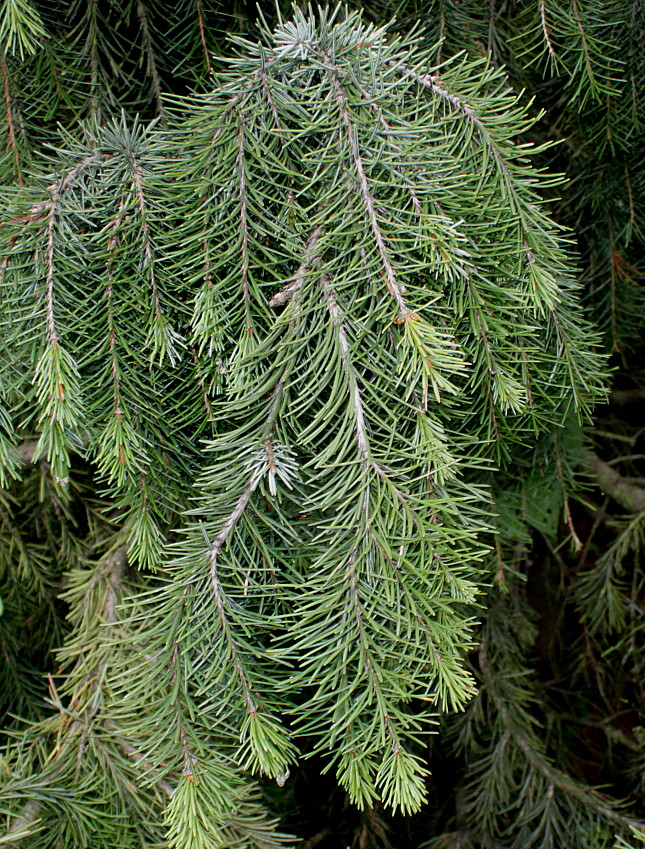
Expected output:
(460, 105)
(111, 321)
(545, 28)
(394, 287)
(244, 224)
(362, 441)
(148, 46)
(589, 798)
(244, 499)
(354, 391)
(202, 34)
(583, 40)
(73, 728)
(8, 99)
(49, 282)
(147, 241)
(227, 631)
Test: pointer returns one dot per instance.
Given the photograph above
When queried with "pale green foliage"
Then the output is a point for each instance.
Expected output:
(295, 333)
(582, 61)
(21, 27)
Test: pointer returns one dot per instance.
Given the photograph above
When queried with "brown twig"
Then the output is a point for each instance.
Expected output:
(612, 483)
(6, 85)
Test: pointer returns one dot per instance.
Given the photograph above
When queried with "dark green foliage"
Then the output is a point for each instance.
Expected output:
(295, 370)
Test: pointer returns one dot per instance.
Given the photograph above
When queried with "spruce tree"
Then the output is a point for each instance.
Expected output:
(302, 331)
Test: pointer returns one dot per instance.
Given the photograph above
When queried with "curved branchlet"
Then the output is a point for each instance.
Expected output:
(512, 769)
(294, 333)
(348, 334)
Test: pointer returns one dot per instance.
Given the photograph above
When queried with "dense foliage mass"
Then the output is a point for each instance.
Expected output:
(305, 523)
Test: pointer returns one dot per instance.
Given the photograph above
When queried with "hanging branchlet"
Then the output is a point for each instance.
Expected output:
(297, 338)
(513, 769)
(382, 292)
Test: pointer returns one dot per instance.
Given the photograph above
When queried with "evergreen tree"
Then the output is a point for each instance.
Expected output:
(302, 333)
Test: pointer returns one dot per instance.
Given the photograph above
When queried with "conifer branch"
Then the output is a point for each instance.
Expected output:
(72, 730)
(394, 287)
(612, 483)
(351, 569)
(189, 760)
(6, 87)
(557, 779)
(244, 498)
(354, 391)
(310, 260)
(49, 281)
(202, 34)
(436, 86)
(272, 105)
(356, 401)
(73, 173)
(225, 625)
(21, 825)
(43, 209)
(244, 226)
(56, 373)
(92, 39)
(583, 39)
(545, 29)
(386, 349)
(142, 14)
(147, 242)
(202, 386)
(378, 114)
(112, 327)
